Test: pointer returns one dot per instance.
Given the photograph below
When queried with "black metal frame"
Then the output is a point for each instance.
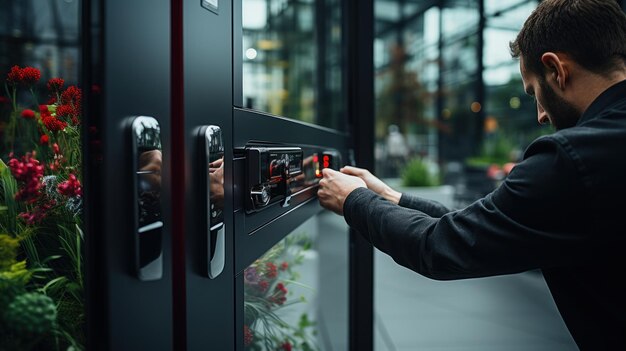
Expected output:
(359, 33)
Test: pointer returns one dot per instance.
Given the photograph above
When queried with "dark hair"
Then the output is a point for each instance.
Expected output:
(592, 32)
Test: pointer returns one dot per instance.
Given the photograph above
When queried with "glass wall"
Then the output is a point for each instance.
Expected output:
(406, 53)
(450, 106)
(292, 64)
(41, 238)
(510, 123)
(296, 294)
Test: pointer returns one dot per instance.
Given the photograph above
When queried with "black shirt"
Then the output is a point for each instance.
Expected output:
(562, 209)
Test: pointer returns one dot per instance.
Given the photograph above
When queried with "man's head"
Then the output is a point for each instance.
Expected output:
(561, 45)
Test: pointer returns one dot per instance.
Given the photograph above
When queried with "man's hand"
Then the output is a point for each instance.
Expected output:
(335, 187)
(373, 183)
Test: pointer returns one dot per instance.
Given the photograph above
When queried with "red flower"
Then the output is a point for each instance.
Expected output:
(68, 111)
(44, 139)
(30, 76)
(284, 266)
(43, 109)
(70, 187)
(272, 270)
(281, 287)
(55, 84)
(55, 165)
(248, 337)
(280, 294)
(65, 111)
(15, 76)
(71, 96)
(28, 114)
(38, 214)
(286, 346)
(52, 101)
(53, 124)
(28, 173)
(55, 148)
(263, 285)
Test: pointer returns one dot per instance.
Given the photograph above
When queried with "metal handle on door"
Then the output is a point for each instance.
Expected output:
(146, 167)
(213, 171)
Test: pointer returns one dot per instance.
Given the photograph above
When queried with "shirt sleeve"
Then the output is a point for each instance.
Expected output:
(532, 220)
(429, 207)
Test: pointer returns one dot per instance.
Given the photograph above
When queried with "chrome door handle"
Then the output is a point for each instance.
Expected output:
(148, 220)
(213, 171)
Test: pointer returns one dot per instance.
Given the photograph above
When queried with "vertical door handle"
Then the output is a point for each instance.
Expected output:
(212, 165)
(146, 168)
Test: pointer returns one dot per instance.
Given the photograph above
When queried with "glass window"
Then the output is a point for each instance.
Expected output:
(460, 18)
(41, 237)
(406, 64)
(296, 294)
(292, 63)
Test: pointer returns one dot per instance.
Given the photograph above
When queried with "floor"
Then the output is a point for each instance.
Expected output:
(514, 312)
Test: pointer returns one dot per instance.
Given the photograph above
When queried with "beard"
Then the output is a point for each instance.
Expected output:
(562, 114)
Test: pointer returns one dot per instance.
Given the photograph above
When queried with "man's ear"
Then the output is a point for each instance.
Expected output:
(556, 68)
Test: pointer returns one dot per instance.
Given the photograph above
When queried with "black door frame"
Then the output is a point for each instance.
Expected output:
(359, 29)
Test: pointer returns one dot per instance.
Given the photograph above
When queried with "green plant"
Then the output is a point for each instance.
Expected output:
(417, 173)
(41, 241)
(268, 293)
(496, 150)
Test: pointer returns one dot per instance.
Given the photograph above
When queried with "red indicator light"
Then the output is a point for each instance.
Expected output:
(326, 161)
(316, 158)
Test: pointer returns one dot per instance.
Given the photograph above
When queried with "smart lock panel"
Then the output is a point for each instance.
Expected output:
(271, 171)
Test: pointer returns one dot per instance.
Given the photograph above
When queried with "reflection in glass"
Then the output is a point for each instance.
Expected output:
(41, 195)
(149, 222)
(213, 153)
(295, 295)
(407, 82)
(292, 54)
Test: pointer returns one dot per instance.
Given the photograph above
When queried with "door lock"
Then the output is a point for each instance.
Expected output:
(270, 173)
(260, 195)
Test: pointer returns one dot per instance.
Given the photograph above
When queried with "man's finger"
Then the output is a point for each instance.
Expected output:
(326, 172)
(352, 170)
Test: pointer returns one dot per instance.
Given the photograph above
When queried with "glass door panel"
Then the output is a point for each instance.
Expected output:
(42, 292)
(292, 59)
(296, 293)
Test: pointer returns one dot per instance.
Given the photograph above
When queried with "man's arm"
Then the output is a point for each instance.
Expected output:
(431, 208)
(533, 220)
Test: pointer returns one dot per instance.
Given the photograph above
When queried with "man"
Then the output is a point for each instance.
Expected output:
(562, 209)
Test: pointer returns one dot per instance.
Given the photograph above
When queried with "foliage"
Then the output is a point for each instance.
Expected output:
(417, 173)
(41, 244)
(267, 299)
(497, 150)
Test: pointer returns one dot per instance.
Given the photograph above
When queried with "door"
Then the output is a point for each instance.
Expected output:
(128, 159)
(262, 97)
